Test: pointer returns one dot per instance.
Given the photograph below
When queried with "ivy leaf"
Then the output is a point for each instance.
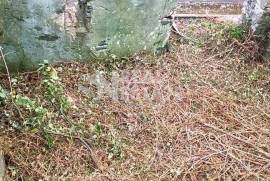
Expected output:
(3, 94)
(24, 102)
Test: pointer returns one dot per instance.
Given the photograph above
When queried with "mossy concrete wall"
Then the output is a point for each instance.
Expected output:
(257, 14)
(81, 30)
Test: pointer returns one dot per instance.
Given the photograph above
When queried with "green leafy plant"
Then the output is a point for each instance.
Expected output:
(236, 32)
(37, 112)
(3, 95)
(37, 118)
(116, 150)
(53, 88)
(25, 102)
(98, 128)
(49, 139)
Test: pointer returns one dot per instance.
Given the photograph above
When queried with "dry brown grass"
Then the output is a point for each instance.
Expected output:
(217, 127)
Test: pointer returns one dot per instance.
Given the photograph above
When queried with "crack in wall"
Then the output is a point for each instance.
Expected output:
(77, 16)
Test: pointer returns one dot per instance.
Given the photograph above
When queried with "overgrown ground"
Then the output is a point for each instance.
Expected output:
(198, 112)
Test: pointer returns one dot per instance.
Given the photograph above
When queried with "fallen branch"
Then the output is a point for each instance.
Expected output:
(84, 143)
(8, 74)
(2, 166)
(175, 30)
(264, 153)
(10, 83)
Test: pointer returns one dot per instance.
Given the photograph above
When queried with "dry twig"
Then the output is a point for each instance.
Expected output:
(10, 84)
(2, 166)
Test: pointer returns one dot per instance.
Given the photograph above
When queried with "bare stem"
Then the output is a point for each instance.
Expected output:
(10, 83)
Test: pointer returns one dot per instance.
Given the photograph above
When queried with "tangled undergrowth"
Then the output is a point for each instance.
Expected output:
(198, 112)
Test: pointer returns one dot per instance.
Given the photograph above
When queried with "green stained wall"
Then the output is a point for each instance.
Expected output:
(81, 30)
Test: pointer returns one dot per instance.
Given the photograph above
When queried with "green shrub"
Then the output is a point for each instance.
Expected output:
(37, 112)
(54, 91)
(236, 32)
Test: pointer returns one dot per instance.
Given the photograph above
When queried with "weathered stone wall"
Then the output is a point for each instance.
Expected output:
(253, 11)
(81, 30)
(257, 14)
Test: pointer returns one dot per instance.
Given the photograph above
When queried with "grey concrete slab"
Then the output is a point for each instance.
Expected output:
(212, 1)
